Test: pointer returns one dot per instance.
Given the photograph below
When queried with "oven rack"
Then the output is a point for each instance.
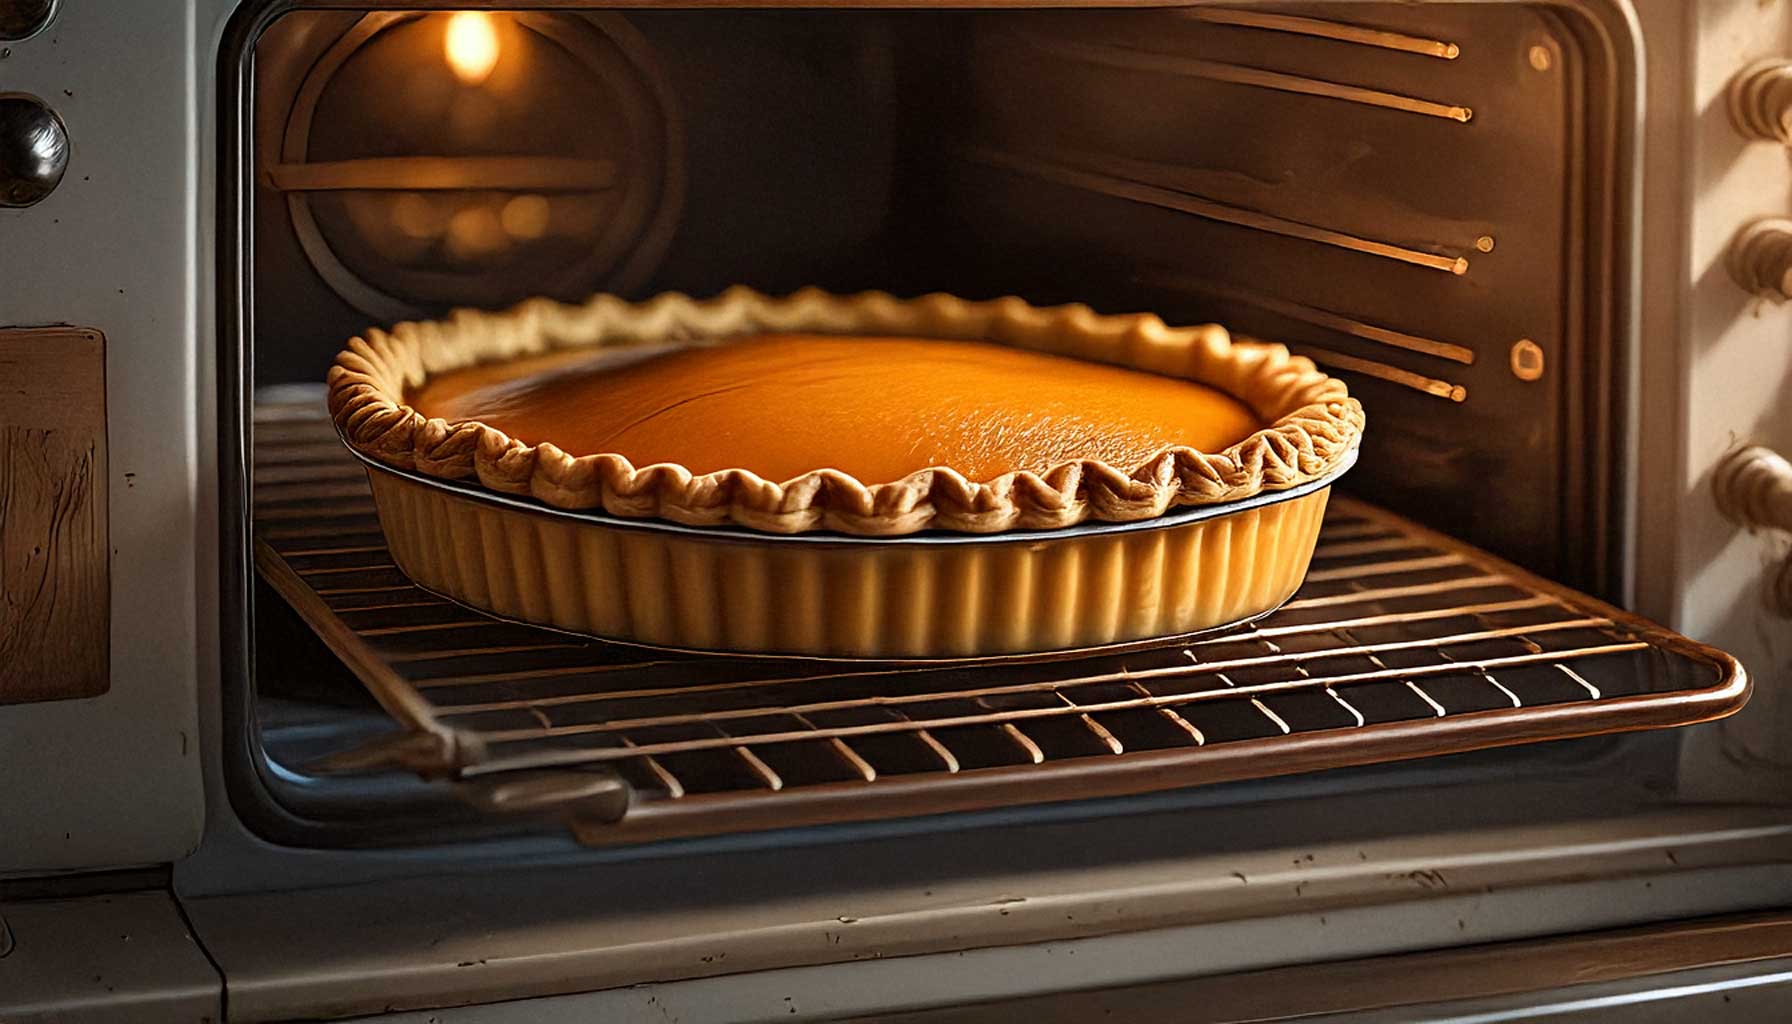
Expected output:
(1401, 644)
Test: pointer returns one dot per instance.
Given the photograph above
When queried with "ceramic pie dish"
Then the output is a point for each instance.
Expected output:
(845, 476)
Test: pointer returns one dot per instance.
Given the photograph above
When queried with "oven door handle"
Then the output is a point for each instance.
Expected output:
(588, 792)
(1753, 488)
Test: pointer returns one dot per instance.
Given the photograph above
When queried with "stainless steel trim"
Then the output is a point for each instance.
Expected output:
(436, 173)
(1338, 31)
(1185, 202)
(1238, 74)
(1317, 317)
(1382, 371)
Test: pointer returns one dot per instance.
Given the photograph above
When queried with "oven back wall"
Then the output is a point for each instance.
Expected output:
(114, 779)
(1443, 230)
(1436, 233)
(713, 128)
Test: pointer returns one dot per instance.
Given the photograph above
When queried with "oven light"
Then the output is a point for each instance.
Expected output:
(471, 46)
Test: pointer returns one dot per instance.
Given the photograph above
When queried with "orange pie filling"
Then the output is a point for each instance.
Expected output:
(879, 409)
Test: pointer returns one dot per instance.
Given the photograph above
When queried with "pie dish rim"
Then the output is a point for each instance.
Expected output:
(1180, 516)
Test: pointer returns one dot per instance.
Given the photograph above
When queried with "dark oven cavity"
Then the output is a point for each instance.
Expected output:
(1432, 201)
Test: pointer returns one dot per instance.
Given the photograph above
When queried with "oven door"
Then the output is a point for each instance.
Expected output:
(99, 739)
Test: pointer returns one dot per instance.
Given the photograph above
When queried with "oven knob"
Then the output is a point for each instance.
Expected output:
(1761, 100)
(1753, 488)
(22, 19)
(33, 150)
(1760, 259)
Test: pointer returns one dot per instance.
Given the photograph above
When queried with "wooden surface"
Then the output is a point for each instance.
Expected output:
(55, 599)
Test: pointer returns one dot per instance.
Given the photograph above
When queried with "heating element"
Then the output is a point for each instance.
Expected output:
(1402, 643)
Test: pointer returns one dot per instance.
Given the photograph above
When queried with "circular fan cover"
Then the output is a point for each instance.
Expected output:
(435, 159)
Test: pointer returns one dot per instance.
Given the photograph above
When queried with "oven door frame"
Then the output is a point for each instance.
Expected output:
(275, 806)
(1649, 858)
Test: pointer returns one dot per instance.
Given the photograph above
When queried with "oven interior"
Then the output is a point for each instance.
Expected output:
(1428, 199)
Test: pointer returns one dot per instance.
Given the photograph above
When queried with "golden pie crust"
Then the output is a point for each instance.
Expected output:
(1312, 424)
(870, 591)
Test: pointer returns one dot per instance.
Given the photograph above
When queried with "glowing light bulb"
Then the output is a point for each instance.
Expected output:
(471, 46)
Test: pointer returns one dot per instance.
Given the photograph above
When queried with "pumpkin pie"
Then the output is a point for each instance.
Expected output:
(936, 456)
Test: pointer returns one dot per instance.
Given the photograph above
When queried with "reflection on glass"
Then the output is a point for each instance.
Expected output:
(419, 215)
(474, 232)
(525, 217)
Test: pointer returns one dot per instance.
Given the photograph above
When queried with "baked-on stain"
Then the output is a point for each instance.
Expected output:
(782, 405)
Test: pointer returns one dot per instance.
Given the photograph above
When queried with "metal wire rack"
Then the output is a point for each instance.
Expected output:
(1401, 644)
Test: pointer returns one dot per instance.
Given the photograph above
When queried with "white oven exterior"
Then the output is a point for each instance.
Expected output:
(1715, 360)
(133, 778)
(114, 780)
